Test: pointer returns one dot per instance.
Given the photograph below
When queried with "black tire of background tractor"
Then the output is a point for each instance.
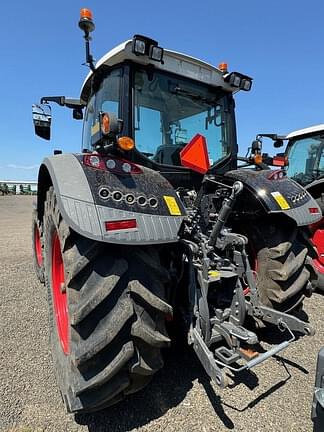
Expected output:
(283, 265)
(37, 261)
(116, 312)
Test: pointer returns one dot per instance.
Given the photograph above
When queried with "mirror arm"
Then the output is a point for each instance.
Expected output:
(63, 101)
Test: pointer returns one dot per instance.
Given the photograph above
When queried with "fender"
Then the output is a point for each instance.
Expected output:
(87, 210)
(316, 189)
(283, 196)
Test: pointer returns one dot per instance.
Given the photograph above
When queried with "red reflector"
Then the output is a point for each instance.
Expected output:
(279, 161)
(313, 210)
(195, 155)
(120, 225)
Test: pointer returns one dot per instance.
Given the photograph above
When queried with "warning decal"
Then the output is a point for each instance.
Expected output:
(172, 205)
(281, 200)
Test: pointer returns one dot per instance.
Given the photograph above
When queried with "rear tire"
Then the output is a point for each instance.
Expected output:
(37, 242)
(115, 310)
(283, 267)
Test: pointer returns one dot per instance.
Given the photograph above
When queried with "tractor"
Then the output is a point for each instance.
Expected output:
(303, 160)
(152, 226)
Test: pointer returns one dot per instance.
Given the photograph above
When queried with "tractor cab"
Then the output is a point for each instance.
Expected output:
(305, 152)
(177, 110)
(164, 101)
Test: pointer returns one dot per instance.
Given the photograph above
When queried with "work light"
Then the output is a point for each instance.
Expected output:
(156, 53)
(246, 84)
(238, 80)
(139, 47)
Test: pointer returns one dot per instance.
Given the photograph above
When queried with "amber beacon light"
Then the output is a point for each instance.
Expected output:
(86, 24)
(125, 143)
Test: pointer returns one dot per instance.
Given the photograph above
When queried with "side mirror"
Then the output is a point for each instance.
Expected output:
(256, 146)
(42, 120)
(278, 143)
(77, 114)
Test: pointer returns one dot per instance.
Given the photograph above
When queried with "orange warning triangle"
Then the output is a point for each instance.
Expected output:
(195, 155)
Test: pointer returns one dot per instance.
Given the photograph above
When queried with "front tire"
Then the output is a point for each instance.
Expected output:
(107, 313)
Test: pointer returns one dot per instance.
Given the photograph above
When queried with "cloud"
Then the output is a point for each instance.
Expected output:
(22, 167)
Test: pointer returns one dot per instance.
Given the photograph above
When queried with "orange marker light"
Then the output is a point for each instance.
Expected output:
(258, 158)
(126, 143)
(223, 67)
(105, 124)
(86, 13)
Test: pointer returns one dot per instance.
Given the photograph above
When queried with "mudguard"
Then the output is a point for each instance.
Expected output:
(279, 196)
(317, 409)
(87, 211)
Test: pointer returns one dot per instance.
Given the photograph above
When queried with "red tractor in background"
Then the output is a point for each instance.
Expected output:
(303, 160)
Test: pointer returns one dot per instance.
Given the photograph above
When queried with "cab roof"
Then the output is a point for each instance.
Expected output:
(306, 131)
(173, 61)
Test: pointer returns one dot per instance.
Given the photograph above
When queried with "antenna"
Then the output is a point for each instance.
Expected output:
(87, 25)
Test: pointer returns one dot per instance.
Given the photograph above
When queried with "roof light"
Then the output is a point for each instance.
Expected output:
(238, 80)
(139, 47)
(223, 67)
(235, 80)
(246, 84)
(86, 24)
(125, 143)
(85, 13)
(156, 53)
(125, 224)
(142, 45)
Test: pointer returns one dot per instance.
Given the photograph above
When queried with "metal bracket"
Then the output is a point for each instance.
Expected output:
(272, 316)
(207, 360)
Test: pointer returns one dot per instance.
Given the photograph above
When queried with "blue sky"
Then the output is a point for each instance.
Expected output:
(278, 43)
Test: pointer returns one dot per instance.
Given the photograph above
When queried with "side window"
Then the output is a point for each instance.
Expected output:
(108, 94)
(88, 123)
(105, 98)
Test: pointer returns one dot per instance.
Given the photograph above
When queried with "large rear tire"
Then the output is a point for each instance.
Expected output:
(107, 313)
(280, 259)
(37, 243)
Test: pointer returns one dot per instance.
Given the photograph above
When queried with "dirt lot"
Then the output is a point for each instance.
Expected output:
(180, 398)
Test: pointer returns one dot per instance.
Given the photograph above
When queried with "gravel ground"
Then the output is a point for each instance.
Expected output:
(277, 397)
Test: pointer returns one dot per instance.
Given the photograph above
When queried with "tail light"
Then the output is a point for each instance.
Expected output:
(277, 175)
(280, 161)
(313, 210)
(111, 164)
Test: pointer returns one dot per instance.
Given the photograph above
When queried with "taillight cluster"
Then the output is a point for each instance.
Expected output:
(115, 165)
(277, 175)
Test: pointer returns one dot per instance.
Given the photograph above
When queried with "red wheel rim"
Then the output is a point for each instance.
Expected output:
(59, 296)
(38, 247)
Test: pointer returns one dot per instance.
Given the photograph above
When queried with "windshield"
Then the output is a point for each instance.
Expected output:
(306, 158)
(169, 111)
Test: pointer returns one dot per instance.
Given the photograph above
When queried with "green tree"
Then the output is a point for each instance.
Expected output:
(5, 188)
(28, 190)
(14, 189)
(21, 189)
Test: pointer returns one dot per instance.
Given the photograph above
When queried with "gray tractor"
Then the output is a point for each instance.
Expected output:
(152, 226)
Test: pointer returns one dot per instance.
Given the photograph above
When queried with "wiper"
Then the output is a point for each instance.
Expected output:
(193, 96)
